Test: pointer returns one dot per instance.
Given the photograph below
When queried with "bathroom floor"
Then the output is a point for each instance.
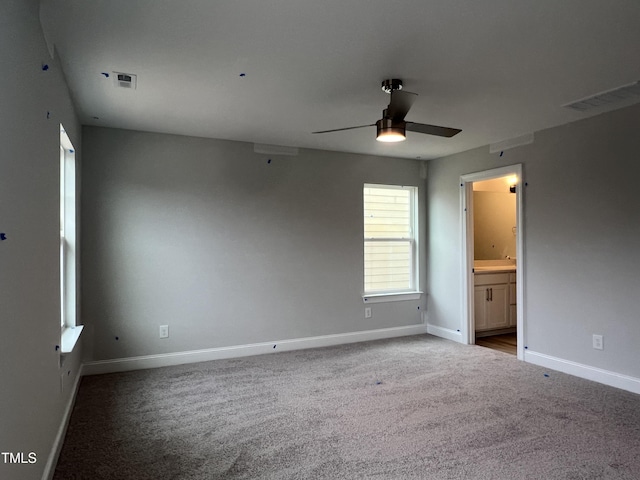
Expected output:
(506, 343)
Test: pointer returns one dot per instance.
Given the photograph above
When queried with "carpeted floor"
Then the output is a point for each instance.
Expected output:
(410, 408)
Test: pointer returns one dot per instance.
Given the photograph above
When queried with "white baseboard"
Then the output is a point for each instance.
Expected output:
(193, 356)
(447, 333)
(599, 375)
(52, 460)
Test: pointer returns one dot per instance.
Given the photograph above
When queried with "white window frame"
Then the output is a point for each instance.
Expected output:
(69, 329)
(413, 292)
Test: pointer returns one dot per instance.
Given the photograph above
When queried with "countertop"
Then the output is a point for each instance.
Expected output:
(495, 269)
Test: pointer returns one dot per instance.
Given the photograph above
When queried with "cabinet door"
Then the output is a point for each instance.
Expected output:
(498, 306)
(480, 296)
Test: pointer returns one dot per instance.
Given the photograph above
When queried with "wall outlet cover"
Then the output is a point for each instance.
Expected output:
(598, 342)
(164, 331)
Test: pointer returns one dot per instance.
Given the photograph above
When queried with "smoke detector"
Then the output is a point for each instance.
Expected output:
(125, 80)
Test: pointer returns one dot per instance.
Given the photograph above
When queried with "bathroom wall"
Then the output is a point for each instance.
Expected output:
(494, 220)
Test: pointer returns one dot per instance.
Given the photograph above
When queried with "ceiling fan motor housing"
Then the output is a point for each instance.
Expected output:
(391, 84)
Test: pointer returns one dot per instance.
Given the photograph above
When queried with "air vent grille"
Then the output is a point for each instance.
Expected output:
(626, 92)
(125, 80)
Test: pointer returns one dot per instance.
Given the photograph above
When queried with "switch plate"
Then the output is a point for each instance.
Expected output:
(598, 342)
(164, 331)
(367, 312)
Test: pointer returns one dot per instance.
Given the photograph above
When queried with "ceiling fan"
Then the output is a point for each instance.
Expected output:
(392, 126)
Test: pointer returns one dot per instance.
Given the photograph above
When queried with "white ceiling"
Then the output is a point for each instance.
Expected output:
(496, 69)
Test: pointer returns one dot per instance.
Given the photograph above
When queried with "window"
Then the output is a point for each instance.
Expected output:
(69, 330)
(390, 242)
(63, 245)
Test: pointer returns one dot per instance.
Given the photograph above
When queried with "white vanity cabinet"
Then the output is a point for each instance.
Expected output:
(492, 300)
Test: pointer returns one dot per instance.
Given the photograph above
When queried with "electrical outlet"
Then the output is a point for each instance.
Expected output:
(367, 312)
(164, 331)
(598, 342)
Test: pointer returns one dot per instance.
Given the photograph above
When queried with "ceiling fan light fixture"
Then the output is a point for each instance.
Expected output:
(390, 135)
(389, 132)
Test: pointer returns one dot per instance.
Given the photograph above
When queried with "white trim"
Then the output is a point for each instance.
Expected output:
(413, 239)
(447, 333)
(193, 356)
(68, 234)
(391, 297)
(468, 334)
(54, 453)
(494, 173)
(613, 379)
(466, 218)
(70, 336)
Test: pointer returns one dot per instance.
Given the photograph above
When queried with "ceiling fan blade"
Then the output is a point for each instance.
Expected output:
(432, 129)
(400, 104)
(347, 128)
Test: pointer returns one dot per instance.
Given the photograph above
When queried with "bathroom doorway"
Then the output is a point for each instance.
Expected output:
(493, 263)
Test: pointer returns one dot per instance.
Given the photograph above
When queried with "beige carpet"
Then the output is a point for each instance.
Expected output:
(416, 408)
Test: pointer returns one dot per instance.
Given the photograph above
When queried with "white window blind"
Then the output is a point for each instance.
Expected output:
(389, 239)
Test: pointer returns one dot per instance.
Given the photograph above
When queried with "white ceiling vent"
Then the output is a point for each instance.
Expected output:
(619, 94)
(125, 80)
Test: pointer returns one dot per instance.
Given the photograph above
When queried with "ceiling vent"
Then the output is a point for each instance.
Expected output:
(125, 80)
(626, 92)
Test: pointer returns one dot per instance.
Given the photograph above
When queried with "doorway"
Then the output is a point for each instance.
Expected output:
(493, 264)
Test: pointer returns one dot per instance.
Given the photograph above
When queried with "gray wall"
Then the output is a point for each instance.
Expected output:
(227, 249)
(31, 404)
(581, 237)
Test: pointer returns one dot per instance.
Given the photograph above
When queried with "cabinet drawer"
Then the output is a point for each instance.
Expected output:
(490, 278)
(512, 277)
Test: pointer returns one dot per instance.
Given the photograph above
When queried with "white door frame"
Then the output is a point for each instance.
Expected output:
(466, 204)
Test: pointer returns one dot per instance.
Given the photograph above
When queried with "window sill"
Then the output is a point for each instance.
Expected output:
(70, 336)
(391, 297)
